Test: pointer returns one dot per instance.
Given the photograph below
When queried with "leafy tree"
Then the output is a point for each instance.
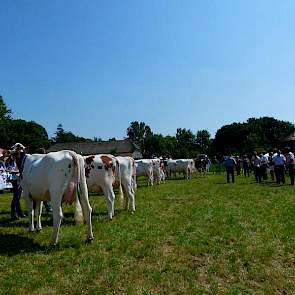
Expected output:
(259, 134)
(203, 140)
(5, 113)
(185, 143)
(29, 133)
(62, 136)
(139, 132)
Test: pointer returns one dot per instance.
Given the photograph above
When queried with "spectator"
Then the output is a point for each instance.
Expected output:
(271, 166)
(279, 161)
(263, 166)
(16, 210)
(246, 166)
(229, 164)
(256, 164)
(238, 165)
(290, 162)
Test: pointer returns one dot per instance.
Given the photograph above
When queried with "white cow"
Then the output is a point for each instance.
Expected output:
(157, 172)
(186, 166)
(100, 176)
(127, 177)
(55, 177)
(144, 167)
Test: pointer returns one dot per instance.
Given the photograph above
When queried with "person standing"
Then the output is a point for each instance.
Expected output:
(256, 164)
(271, 166)
(279, 161)
(16, 210)
(246, 166)
(229, 164)
(290, 162)
(238, 165)
(263, 166)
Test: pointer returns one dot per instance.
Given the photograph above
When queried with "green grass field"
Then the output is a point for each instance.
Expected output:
(200, 236)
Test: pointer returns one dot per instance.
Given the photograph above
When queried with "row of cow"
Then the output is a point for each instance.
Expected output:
(65, 176)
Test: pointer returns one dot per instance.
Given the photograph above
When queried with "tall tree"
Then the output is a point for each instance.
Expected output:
(5, 113)
(203, 140)
(185, 143)
(261, 134)
(62, 136)
(139, 132)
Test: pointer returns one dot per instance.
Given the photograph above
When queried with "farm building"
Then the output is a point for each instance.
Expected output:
(125, 147)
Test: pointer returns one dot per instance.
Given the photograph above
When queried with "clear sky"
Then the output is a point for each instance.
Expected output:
(95, 66)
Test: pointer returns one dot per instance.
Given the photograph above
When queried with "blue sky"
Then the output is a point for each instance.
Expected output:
(95, 66)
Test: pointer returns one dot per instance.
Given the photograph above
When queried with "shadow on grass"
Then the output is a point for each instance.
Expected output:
(14, 244)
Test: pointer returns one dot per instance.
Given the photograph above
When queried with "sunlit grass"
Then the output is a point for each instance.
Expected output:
(186, 237)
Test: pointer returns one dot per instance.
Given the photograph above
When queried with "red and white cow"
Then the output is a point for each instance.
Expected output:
(127, 177)
(100, 177)
(56, 177)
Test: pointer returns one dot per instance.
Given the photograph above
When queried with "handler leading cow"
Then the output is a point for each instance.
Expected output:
(55, 177)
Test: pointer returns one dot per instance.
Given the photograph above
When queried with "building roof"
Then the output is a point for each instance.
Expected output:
(125, 147)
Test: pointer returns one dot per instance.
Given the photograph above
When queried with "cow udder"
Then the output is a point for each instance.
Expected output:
(69, 194)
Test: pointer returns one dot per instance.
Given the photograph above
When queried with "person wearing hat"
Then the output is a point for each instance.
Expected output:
(12, 168)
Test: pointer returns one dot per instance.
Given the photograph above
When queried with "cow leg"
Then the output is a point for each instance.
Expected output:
(79, 219)
(131, 200)
(30, 210)
(151, 180)
(57, 216)
(110, 198)
(87, 210)
(38, 212)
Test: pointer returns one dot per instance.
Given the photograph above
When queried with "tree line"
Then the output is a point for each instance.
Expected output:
(260, 134)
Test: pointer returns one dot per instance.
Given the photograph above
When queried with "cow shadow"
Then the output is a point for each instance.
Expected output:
(46, 220)
(12, 244)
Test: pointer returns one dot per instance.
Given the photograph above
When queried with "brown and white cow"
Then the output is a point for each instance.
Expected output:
(100, 177)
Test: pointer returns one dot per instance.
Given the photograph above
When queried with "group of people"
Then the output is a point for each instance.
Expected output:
(275, 162)
(8, 164)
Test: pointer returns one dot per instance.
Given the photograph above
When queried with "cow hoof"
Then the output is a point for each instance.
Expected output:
(31, 230)
(89, 240)
(38, 229)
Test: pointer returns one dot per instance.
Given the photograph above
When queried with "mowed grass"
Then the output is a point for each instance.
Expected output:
(198, 236)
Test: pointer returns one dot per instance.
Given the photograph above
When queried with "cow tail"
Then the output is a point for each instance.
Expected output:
(121, 194)
(134, 175)
(81, 188)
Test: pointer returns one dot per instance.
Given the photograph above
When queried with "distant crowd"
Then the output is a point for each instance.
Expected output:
(275, 163)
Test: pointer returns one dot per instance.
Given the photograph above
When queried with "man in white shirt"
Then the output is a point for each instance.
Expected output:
(290, 162)
(256, 164)
(279, 161)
